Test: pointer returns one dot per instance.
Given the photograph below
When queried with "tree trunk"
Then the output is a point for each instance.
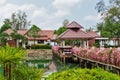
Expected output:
(5, 70)
(9, 72)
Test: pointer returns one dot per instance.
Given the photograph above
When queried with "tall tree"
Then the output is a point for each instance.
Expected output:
(33, 32)
(111, 18)
(18, 21)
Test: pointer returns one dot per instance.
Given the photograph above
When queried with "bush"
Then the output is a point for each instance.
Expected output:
(83, 74)
(44, 46)
(27, 73)
(2, 78)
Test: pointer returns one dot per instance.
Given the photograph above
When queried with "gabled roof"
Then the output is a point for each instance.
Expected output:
(94, 34)
(74, 25)
(44, 35)
(75, 34)
(48, 33)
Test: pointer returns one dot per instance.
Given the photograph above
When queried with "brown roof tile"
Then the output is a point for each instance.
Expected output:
(74, 25)
(75, 34)
(22, 32)
(38, 38)
(94, 34)
(9, 31)
(44, 35)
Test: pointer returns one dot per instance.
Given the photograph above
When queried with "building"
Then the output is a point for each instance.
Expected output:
(74, 32)
(46, 37)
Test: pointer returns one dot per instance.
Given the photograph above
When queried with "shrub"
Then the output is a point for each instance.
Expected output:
(41, 46)
(27, 73)
(83, 74)
(2, 78)
(107, 56)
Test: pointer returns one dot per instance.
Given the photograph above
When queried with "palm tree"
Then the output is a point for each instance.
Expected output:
(9, 56)
(17, 37)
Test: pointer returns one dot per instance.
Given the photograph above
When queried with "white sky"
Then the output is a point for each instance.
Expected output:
(49, 14)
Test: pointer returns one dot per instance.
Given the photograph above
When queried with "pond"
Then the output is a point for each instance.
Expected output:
(38, 63)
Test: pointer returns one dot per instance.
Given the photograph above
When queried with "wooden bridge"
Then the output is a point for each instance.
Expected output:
(65, 52)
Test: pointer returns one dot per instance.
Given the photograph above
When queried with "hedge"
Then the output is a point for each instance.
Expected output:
(83, 74)
(45, 46)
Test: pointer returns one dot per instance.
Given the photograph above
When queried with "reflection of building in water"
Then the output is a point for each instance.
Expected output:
(52, 66)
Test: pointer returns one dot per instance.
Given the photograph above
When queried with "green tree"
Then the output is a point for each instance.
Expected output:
(111, 18)
(60, 30)
(3, 38)
(18, 21)
(3, 35)
(63, 28)
(99, 26)
(17, 37)
(9, 56)
(33, 32)
(5, 26)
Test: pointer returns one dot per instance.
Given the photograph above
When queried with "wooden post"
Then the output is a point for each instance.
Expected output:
(87, 44)
(64, 60)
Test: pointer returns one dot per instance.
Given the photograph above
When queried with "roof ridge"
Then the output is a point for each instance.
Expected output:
(63, 33)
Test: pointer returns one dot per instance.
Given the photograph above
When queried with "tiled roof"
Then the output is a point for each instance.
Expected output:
(9, 31)
(48, 33)
(38, 38)
(74, 25)
(94, 34)
(75, 34)
(22, 32)
(44, 35)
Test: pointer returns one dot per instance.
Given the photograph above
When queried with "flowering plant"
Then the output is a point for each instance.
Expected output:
(108, 56)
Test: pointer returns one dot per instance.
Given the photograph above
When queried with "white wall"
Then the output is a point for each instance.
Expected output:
(45, 42)
(32, 42)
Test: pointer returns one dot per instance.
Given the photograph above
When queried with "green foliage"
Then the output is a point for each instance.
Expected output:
(99, 26)
(83, 74)
(96, 45)
(11, 54)
(60, 30)
(3, 38)
(27, 73)
(5, 26)
(17, 36)
(3, 35)
(43, 46)
(2, 78)
(33, 32)
(111, 18)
